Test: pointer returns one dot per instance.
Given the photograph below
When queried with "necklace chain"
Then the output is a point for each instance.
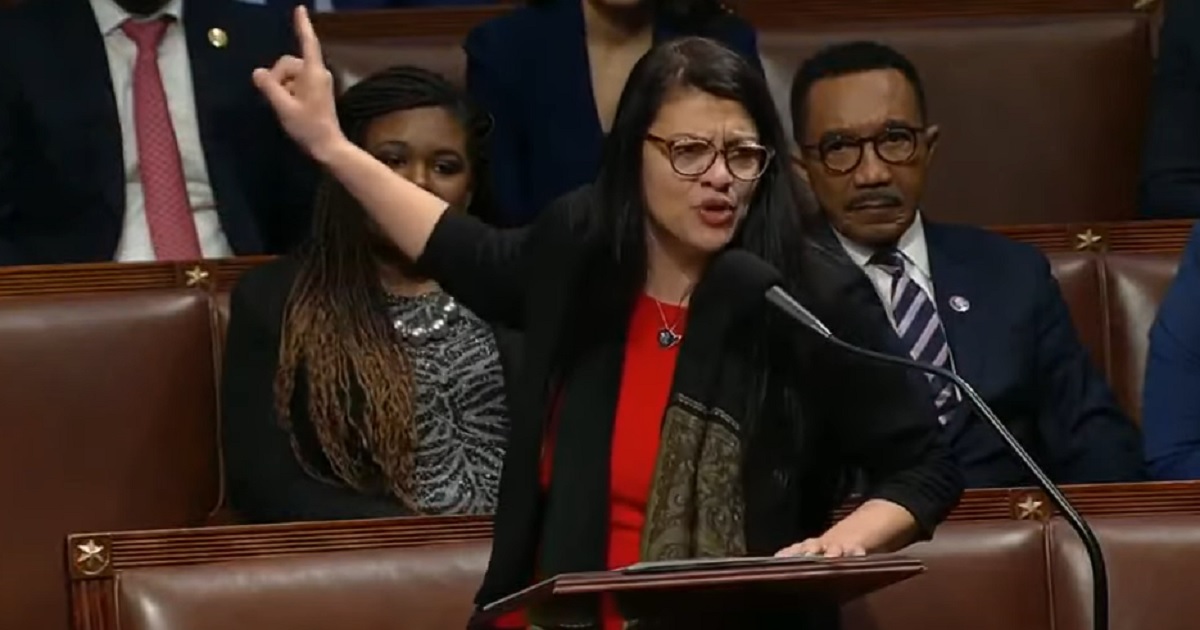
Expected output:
(668, 336)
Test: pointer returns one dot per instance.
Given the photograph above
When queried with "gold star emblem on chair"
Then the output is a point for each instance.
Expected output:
(196, 276)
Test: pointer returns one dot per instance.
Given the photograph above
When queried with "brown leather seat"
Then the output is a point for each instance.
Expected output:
(1041, 118)
(109, 417)
(1135, 286)
(1006, 156)
(984, 576)
(1113, 299)
(432, 588)
(418, 588)
(1151, 566)
(976, 571)
(1079, 277)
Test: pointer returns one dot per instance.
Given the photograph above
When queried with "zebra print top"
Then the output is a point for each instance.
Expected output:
(461, 408)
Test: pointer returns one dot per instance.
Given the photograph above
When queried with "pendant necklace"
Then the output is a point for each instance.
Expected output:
(667, 336)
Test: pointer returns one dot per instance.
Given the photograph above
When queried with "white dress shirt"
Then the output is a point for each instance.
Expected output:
(175, 67)
(915, 252)
(911, 247)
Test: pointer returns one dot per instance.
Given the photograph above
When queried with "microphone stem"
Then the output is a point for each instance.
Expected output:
(1091, 544)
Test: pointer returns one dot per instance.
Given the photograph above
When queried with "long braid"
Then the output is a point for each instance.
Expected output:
(336, 337)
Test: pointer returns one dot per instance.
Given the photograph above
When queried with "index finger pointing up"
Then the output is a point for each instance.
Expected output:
(310, 46)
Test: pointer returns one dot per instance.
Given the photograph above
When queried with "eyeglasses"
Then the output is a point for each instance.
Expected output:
(692, 157)
(894, 145)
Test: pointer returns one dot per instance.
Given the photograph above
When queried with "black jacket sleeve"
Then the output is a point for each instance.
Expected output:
(265, 481)
(488, 269)
(881, 416)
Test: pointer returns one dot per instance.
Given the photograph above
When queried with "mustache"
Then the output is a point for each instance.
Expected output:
(876, 197)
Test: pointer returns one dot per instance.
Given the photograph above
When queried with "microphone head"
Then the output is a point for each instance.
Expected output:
(736, 282)
(738, 268)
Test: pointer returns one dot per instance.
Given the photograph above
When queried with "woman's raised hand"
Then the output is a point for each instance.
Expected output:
(301, 92)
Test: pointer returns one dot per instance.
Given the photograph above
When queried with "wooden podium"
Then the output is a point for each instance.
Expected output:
(709, 593)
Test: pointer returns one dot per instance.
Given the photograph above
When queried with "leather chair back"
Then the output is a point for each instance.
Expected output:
(1135, 285)
(109, 422)
(1150, 562)
(1113, 299)
(1041, 118)
(967, 594)
(415, 588)
(1020, 161)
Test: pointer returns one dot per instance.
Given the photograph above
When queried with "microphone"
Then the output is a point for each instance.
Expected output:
(756, 272)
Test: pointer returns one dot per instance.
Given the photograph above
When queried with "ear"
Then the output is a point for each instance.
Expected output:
(932, 134)
(797, 160)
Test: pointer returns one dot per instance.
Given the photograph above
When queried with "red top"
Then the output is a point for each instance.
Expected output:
(645, 387)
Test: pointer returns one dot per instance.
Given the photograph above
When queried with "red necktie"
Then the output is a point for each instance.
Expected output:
(172, 228)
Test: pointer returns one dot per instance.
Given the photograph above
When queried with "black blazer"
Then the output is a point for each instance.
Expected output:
(520, 277)
(1016, 344)
(62, 181)
(265, 481)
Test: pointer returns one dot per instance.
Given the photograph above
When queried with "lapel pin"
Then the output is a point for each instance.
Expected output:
(959, 303)
(218, 38)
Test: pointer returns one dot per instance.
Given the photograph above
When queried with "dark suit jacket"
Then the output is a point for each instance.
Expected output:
(266, 482)
(1171, 400)
(1016, 344)
(1170, 178)
(529, 68)
(62, 181)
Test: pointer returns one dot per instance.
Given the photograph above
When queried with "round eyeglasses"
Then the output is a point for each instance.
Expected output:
(692, 157)
(894, 145)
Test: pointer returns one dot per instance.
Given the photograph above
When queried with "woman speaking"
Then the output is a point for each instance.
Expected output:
(649, 420)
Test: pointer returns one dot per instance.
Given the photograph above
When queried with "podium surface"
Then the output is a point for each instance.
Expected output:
(708, 592)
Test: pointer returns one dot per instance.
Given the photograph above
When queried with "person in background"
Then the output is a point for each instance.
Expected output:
(353, 386)
(1171, 397)
(128, 133)
(644, 365)
(551, 74)
(959, 297)
(1170, 177)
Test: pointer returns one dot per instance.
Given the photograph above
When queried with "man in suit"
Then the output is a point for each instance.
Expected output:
(1169, 186)
(956, 296)
(130, 130)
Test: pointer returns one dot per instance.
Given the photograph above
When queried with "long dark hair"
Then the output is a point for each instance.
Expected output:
(357, 379)
(693, 15)
(773, 228)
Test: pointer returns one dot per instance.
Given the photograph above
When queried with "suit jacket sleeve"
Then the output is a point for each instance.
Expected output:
(1170, 178)
(266, 482)
(1088, 439)
(1171, 403)
(882, 417)
(492, 86)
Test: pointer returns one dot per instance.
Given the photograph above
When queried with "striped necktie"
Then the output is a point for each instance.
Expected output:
(916, 321)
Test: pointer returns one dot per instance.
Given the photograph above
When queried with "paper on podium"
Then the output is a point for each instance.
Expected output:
(715, 586)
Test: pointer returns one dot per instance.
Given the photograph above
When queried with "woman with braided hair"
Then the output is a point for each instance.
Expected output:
(353, 387)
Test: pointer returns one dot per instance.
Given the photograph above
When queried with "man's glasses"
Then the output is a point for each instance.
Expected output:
(894, 145)
(692, 157)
